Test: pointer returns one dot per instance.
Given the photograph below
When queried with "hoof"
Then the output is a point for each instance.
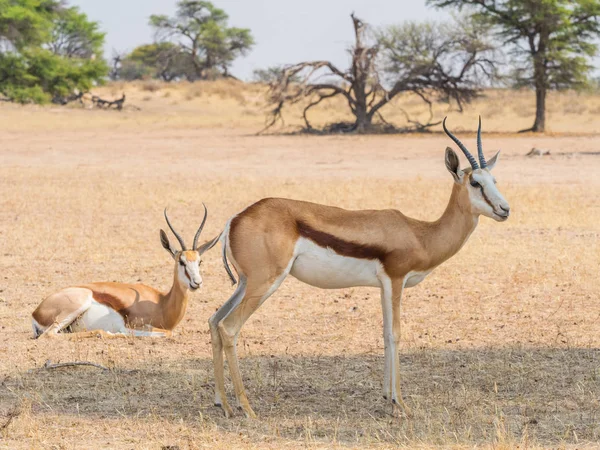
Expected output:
(226, 410)
(399, 406)
(248, 412)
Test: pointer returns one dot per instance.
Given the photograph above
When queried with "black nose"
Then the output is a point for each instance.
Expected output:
(506, 210)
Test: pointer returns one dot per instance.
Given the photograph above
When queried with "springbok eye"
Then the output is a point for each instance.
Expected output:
(475, 184)
(181, 263)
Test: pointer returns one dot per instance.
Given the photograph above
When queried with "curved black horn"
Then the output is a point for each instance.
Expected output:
(470, 157)
(179, 238)
(482, 162)
(200, 229)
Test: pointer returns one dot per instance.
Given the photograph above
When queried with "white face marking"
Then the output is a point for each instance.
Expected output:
(189, 271)
(485, 197)
(324, 268)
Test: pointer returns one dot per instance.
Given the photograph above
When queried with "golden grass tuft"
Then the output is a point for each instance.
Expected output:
(152, 85)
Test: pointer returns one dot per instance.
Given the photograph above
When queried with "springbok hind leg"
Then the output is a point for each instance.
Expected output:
(229, 328)
(217, 346)
(77, 302)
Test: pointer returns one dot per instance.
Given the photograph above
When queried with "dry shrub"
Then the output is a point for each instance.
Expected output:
(493, 110)
(221, 89)
(233, 103)
(195, 90)
(191, 95)
(522, 110)
(151, 85)
(574, 108)
(117, 87)
(250, 112)
(226, 89)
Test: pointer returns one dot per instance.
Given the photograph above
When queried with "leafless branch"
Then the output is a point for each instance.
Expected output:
(429, 61)
(48, 365)
(16, 412)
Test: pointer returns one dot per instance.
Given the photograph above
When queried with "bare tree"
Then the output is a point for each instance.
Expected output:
(116, 65)
(433, 61)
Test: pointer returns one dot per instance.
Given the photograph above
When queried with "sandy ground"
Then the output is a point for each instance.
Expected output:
(500, 344)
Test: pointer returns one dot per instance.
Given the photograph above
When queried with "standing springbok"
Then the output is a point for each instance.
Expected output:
(332, 248)
(119, 309)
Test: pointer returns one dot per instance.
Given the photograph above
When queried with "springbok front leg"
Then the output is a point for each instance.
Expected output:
(102, 334)
(391, 296)
(397, 289)
(388, 341)
(125, 333)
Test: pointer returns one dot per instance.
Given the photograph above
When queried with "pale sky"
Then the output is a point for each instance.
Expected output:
(285, 31)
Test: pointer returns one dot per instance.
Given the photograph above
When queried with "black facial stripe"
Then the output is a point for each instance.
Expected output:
(487, 200)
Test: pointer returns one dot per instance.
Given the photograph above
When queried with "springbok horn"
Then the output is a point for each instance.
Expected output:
(200, 229)
(472, 160)
(482, 162)
(179, 238)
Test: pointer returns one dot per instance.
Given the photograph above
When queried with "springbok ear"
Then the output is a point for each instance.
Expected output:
(453, 164)
(164, 240)
(492, 161)
(208, 245)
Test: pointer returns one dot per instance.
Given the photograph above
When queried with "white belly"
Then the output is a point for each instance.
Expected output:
(99, 317)
(324, 268)
(414, 278)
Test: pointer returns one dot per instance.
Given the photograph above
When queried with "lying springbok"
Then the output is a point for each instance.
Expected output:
(332, 248)
(119, 309)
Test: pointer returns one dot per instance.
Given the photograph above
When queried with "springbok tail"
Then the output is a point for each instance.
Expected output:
(225, 262)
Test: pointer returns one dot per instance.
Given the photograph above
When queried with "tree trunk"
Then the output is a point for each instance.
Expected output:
(360, 73)
(541, 89)
(540, 82)
(363, 120)
(540, 108)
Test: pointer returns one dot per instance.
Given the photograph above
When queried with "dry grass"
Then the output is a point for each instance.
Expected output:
(230, 103)
(500, 344)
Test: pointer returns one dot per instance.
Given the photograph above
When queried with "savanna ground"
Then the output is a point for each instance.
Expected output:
(500, 345)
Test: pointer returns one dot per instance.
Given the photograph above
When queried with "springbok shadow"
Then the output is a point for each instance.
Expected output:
(467, 396)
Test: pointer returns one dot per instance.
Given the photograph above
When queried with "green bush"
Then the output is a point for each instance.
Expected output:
(50, 53)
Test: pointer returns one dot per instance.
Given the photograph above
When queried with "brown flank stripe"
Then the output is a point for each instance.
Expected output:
(111, 301)
(340, 246)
